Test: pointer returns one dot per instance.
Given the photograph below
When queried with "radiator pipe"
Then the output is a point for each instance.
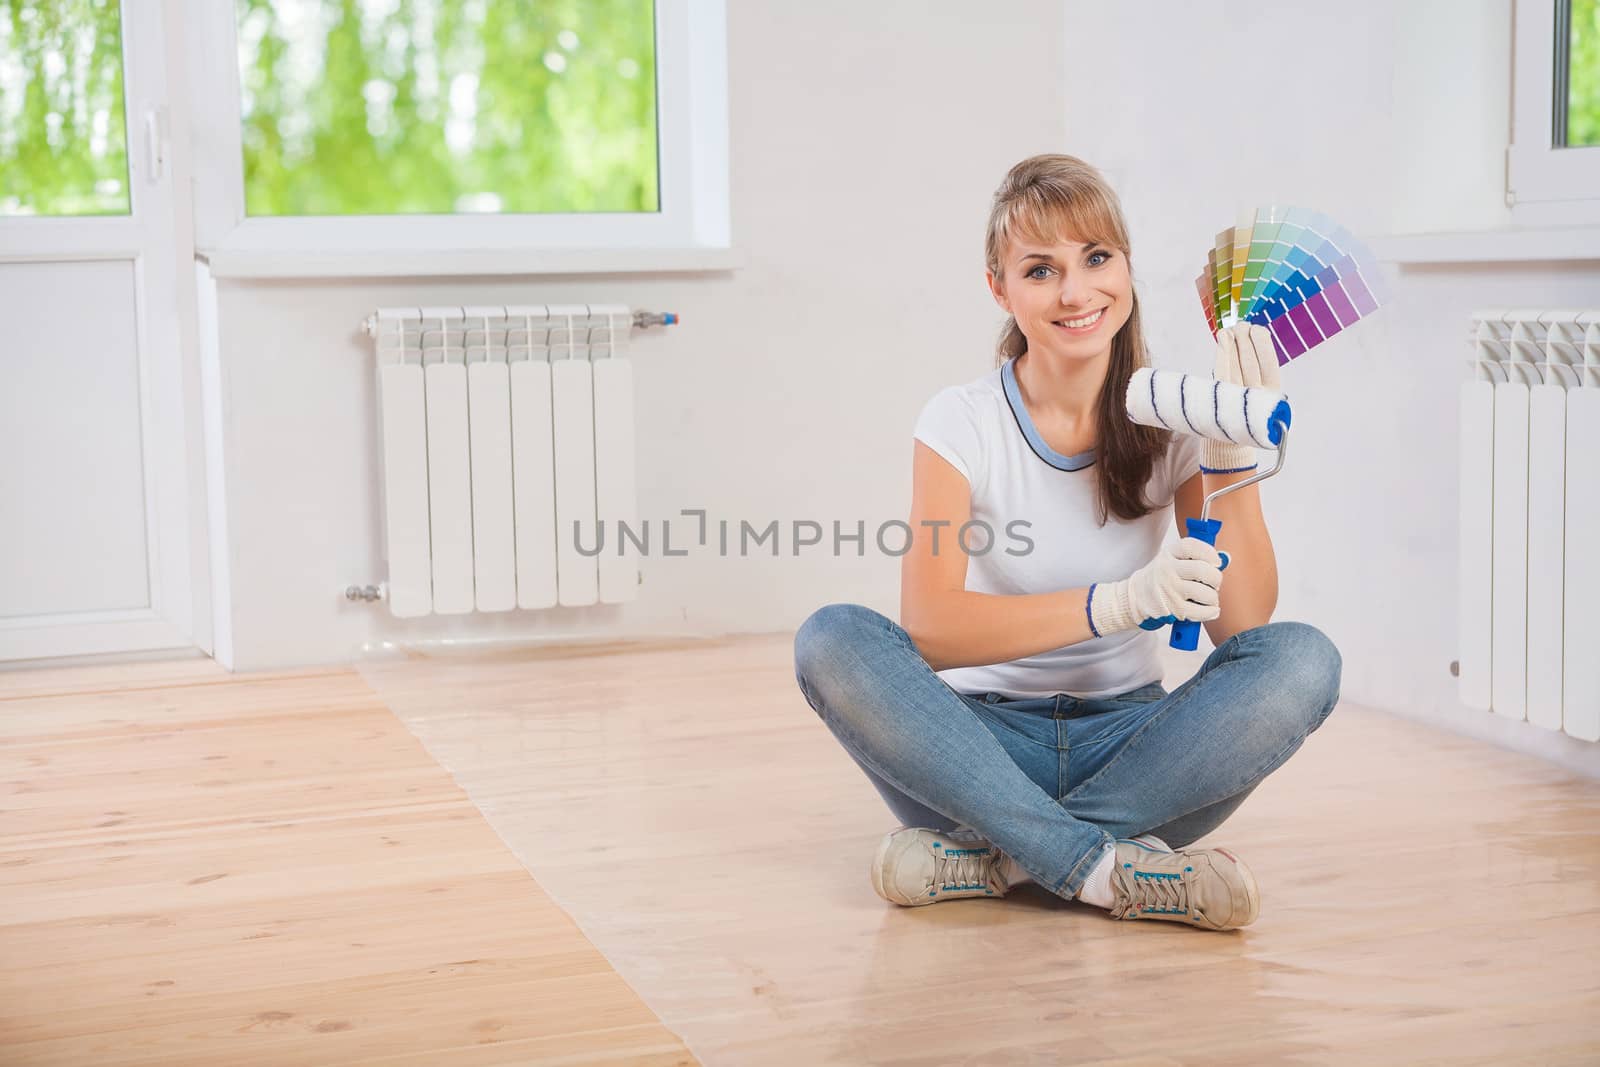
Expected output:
(643, 319)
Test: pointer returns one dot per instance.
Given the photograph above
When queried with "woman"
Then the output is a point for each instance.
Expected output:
(1015, 722)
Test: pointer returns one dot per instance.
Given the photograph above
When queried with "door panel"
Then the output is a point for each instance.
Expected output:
(71, 461)
(95, 435)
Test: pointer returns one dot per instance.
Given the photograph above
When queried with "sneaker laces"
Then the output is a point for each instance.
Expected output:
(1163, 895)
(963, 871)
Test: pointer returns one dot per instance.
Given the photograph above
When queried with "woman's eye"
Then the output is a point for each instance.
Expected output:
(1106, 255)
(1033, 273)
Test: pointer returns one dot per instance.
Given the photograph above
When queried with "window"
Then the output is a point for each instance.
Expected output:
(63, 137)
(1577, 74)
(1553, 165)
(369, 127)
(447, 106)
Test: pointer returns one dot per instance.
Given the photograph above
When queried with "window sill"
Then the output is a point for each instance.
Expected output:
(1491, 246)
(295, 263)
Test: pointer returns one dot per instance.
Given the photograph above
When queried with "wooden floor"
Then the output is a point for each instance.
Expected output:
(270, 870)
(1426, 898)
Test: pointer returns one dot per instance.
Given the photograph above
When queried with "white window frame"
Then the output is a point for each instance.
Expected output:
(1545, 185)
(691, 230)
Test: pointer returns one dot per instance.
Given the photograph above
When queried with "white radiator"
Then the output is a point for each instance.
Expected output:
(1530, 519)
(508, 457)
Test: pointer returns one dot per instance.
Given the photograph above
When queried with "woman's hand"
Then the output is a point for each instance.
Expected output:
(1245, 356)
(1184, 581)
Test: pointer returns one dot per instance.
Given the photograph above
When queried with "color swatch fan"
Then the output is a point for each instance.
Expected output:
(1294, 271)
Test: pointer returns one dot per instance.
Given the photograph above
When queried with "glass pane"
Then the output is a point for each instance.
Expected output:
(377, 107)
(63, 137)
(1583, 75)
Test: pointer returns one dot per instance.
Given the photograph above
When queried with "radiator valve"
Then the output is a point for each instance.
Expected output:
(363, 592)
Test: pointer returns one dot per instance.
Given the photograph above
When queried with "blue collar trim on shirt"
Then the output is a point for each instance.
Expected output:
(1030, 433)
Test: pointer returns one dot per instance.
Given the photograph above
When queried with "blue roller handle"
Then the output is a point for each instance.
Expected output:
(1186, 632)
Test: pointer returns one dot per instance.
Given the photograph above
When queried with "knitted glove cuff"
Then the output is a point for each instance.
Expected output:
(1109, 608)
(1219, 458)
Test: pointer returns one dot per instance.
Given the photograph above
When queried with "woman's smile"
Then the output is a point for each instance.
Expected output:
(1082, 324)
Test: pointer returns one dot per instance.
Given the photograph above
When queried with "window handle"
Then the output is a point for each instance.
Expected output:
(155, 144)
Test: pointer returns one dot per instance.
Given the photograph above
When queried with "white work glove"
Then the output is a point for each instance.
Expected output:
(1245, 356)
(1183, 582)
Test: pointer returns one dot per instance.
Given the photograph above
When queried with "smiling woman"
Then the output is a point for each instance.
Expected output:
(1014, 721)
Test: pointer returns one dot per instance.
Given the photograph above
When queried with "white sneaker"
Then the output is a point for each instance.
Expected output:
(916, 866)
(1206, 887)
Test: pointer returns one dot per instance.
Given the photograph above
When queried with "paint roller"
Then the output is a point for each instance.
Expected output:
(1222, 411)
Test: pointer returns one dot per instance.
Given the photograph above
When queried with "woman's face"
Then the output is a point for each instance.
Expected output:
(1069, 298)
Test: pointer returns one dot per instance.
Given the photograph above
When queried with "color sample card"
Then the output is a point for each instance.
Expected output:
(1241, 253)
(1222, 276)
(1293, 270)
(1202, 284)
(1262, 237)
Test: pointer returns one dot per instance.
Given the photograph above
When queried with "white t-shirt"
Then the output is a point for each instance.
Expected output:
(1039, 506)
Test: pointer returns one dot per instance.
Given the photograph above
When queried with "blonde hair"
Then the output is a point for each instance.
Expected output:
(1043, 199)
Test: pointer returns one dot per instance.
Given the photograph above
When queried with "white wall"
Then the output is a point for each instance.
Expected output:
(1391, 118)
(866, 141)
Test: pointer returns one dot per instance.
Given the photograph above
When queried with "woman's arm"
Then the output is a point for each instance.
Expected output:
(1250, 584)
(950, 626)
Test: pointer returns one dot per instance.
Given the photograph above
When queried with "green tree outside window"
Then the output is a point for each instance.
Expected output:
(1583, 76)
(378, 107)
(63, 134)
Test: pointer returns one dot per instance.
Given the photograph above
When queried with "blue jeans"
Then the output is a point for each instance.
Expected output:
(1051, 780)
